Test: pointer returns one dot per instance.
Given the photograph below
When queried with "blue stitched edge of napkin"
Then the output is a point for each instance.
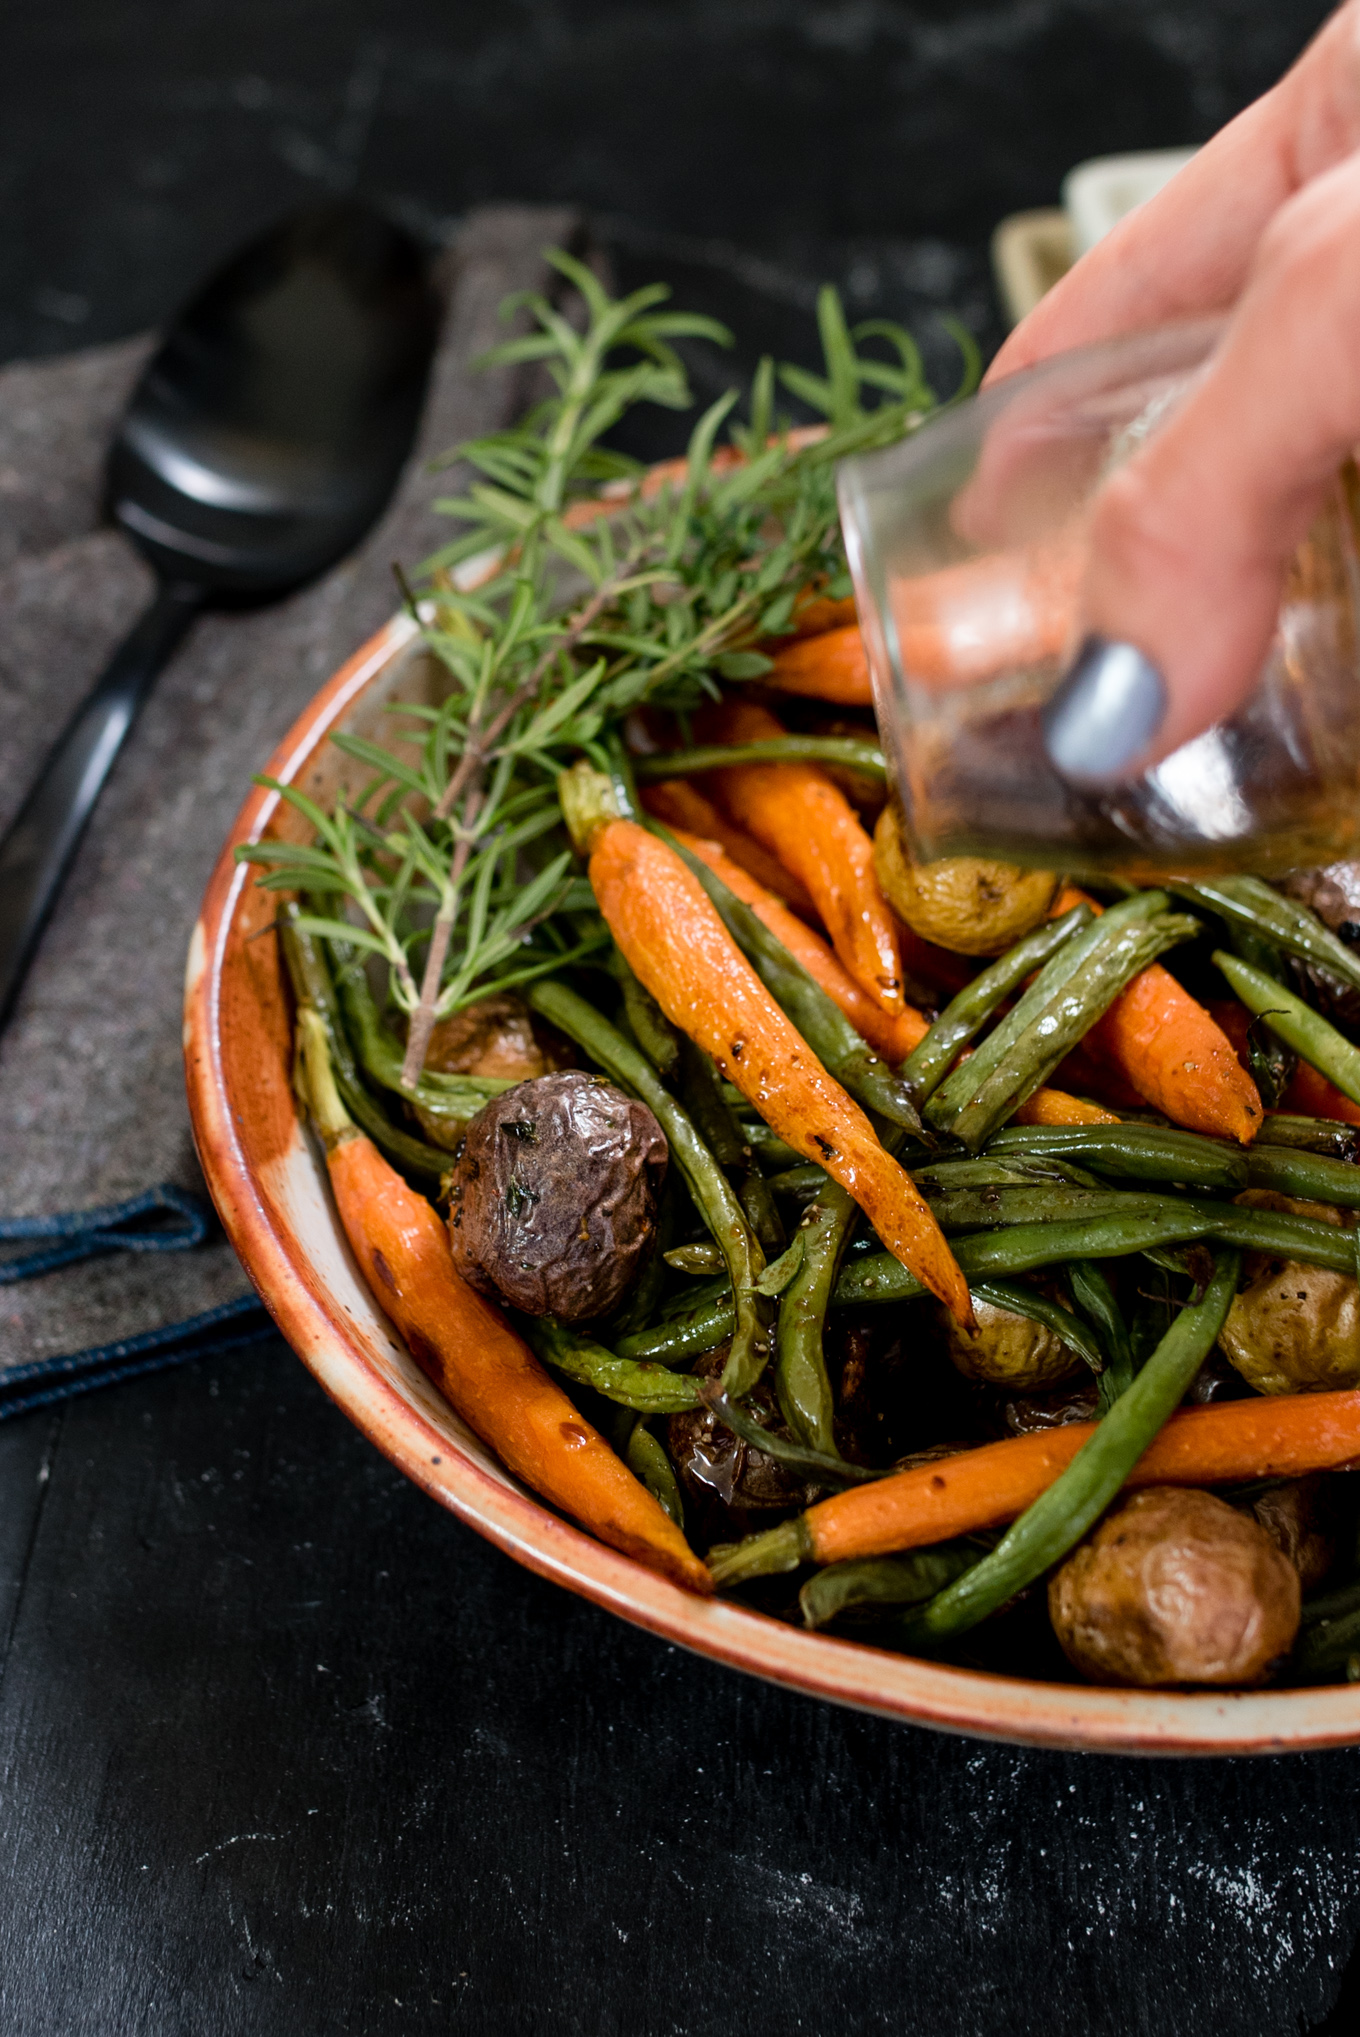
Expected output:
(164, 1219)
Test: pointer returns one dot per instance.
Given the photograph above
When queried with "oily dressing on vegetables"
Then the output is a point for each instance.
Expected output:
(868, 1250)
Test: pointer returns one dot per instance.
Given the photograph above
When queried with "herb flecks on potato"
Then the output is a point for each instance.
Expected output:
(553, 1201)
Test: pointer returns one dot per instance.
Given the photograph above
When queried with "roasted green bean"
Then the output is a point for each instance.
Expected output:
(1251, 903)
(961, 1020)
(1033, 1202)
(767, 1145)
(1026, 1047)
(1329, 1638)
(708, 1184)
(455, 1098)
(651, 1389)
(1297, 1024)
(847, 750)
(646, 1458)
(1152, 1222)
(1057, 1520)
(1132, 1153)
(702, 1094)
(653, 1031)
(1310, 1135)
(800, 1375)
(686, 1335)
(889, 1581)
(312, 987)
(1058, 971)
(1312, 1176)
(1095, 1298)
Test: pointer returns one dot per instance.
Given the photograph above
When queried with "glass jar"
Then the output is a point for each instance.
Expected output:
(968, 544)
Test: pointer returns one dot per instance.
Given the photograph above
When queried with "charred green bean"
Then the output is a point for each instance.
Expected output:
(847, 750)
(1132, 1153)
(1310, 1135)
(1297, 1024)
(888, 1581)
(800, 1375)
(1251, 903)
(961, 1020)
(649, 1388)
(1027, 1046)
(312, 987)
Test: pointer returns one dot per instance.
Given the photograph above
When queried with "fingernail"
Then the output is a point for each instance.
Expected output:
(1106, 711)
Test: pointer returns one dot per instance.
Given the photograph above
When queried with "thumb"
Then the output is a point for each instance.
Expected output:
(1190, 540)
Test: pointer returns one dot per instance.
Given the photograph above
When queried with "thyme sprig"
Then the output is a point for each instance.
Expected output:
(557, 610)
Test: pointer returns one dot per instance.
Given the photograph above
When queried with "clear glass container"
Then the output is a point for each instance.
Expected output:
(968, 544)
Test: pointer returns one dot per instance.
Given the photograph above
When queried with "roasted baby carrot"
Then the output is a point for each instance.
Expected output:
(1275, 1436)
(809, 824)
(467, 1348)
(1311, 1095)
(675, 943)
(681, 805)
(1056, 1107)
(893, 1038)
(1163, 1042)
(832, 666)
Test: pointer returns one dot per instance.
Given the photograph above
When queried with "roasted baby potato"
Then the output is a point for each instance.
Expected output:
(553, 1200)
(963, 902)
(730, 1487)
(1301, 1517)
(1174, 1586)
(1294, 1328)
(1009, 1350)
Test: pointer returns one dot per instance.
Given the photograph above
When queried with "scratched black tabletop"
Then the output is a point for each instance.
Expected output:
(283, 1748)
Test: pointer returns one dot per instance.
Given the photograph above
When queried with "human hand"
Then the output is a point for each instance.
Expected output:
(1191, 537)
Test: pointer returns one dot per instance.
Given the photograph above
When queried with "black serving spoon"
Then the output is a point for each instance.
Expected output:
(261, 442)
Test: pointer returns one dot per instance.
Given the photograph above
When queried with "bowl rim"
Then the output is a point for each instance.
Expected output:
(1009, 1709)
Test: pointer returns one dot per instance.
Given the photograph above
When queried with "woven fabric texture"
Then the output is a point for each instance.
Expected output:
(92, 1107)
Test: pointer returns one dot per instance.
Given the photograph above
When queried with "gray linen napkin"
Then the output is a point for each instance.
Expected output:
(92, 1105)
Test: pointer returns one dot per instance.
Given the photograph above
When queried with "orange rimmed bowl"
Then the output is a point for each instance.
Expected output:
(269, 1184)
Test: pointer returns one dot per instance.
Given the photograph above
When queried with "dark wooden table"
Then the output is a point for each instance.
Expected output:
(283, 1747)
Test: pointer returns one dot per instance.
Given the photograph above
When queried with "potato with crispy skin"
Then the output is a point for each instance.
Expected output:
(965, 903)
(553, 1200)
(1009, 1350)
(1294, 1328)
(1174, 1587)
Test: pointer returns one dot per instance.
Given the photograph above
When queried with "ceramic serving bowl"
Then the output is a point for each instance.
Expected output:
(269, 1182)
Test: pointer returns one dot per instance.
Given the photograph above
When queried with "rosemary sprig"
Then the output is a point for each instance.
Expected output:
(555, 614)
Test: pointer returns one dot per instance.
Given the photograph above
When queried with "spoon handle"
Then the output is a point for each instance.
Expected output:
(35, 853)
